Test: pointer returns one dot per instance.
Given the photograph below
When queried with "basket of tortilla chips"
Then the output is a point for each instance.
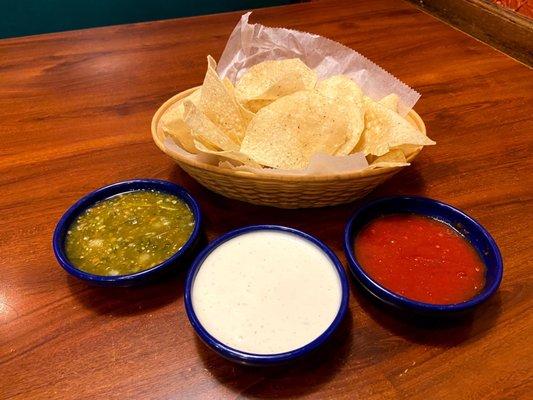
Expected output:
(284, 136)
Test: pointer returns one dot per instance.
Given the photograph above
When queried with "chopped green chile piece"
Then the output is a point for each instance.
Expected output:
(128, 233)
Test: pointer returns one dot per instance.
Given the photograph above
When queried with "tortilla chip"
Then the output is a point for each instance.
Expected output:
(385, 129)
(205, 131)
(341, 86)
(287, 132)
(229, 85)
(267, 81)
(246, 114)
(394, 158)
(218, 103)
(174, 126)
(408, 149)
(391, 102)
(349, 98)
(232, 155)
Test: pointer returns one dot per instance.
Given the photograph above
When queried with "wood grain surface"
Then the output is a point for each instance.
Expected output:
(75, 112)
(494, 24)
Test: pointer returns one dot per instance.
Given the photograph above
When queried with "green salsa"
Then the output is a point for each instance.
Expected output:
(129, 232)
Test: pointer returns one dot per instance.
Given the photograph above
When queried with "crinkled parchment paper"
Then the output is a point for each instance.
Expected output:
(250, 44)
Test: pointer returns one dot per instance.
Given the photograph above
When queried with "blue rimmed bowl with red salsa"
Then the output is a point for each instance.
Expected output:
(128, 233)
(422, 255)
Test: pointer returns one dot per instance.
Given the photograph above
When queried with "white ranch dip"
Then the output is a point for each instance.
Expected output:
(266, 292)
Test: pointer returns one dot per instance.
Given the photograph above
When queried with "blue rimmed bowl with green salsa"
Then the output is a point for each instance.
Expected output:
(128, 232)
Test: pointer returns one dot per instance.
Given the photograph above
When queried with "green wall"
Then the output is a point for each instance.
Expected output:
(29, 17)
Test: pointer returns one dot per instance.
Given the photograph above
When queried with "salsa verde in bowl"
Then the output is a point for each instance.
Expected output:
(127, 232)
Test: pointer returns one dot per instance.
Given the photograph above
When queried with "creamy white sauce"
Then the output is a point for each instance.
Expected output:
(266, 292)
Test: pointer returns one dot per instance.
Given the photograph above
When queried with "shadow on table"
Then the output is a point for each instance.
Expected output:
(294, 379)
(441, 332)
(408, 181)
(130, 300)
(222, 214)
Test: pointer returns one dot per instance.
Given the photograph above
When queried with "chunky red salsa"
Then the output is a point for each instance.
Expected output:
(420, 258)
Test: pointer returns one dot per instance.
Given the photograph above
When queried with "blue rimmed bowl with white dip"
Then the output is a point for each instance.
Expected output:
(266, 294)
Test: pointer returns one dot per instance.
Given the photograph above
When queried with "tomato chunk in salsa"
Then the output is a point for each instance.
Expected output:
(420, 258)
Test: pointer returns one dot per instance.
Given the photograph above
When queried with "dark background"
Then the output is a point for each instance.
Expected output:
(29, 17)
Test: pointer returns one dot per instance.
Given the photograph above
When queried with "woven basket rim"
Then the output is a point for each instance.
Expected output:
(180, 159)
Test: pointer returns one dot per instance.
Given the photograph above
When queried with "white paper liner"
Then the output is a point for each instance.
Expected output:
(320, 164)
(250, 44)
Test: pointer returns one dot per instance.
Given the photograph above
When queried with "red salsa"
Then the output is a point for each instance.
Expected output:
(420, 258)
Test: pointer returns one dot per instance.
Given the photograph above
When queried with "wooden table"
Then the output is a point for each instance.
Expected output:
(75, 112)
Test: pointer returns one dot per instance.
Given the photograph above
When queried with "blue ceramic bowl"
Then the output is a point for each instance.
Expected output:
(81, 205)
(472, 230)
(245, 358)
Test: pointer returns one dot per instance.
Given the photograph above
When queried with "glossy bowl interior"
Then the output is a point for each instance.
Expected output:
(472, 230)
(103, 193)
(263, 359)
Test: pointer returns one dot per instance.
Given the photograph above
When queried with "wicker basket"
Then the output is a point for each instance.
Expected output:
(280, 191)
